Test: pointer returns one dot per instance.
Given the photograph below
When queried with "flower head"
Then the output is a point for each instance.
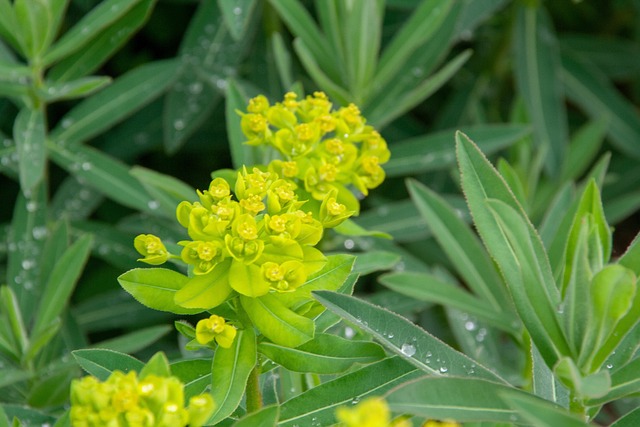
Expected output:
(215, 329)
(125, 400)
(371, 412)
(151, 248)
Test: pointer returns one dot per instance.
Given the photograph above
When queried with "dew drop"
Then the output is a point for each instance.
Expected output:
(237, 11)
(349, 333)
(28, 264)
(31, 206)
(349, 244)
(470, 326)
(443, 369)
(609, 365)
(66, 123)
(178, 124)
(153, 204)
(408, 350)
(391, 335)
(86, 166)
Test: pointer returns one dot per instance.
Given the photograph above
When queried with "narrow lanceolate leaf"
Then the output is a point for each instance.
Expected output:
(26, 241)
(156, 288)
(525, 273)
(105, 43)
(125, 96)
(277, 322)
(104, 173)
(101, 363)
(585, 145)
(592, 92)
(166, 190)
(195, 374)
(461, 246)
(537, 72)
(241, 153)
(436, 151)
(135, 341)
(545, 383)
(325, 354)
(34, 20)
(481, 181)
(427, 287)
(540, 413)
(631, 419)
(229, 373)
(631, 257)
(318, 404)
(61, 283)
(29, 135)
(237, 15)
(88, 27)
(624, 382)
(209, 56)
(74, 89)
(424, 22)
(266, 417)
(460, 399)
(409, 341)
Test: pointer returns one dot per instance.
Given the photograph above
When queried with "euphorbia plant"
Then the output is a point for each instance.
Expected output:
(251, 258)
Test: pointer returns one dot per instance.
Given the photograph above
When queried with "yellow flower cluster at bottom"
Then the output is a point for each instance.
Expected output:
(374, 412)
(124, 400)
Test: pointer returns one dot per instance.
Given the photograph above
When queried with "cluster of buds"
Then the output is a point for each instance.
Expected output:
(124, 400)
(374, 412)
(326, 150)
(252, 241)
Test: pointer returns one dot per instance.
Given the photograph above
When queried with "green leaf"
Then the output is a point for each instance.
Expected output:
(613, 297)
(327, 319)
(592, 92)
(27, 232)
(209, 56)
(266, 417)
(585, 145)
(427, 287)
(302, 25)
(229, 373)
(385, 112)
(136, 340)
(544, 383)
(237, 15)
(33, 18)
(59, 287)
(167, 191)
(537, 74)
(372, 261)
(504, 227)
(460, 399)
(9, 27)
(14, 73)
(631, 419)
(4, 422)
(540, 413)
(462, 247)
(104, 173)
(528, 276)
(436, 151)
(352, 228)
(103, 45)
(625, 381)
(324, 354)
(334, 273)
(241, 153)
(318, 404)
(631, 257)
(195, 374)
(87, 28)
(423, 23)
(12, 376)
(404, 338)
(277, 322)
(11, 310)
(78, 88)
(25, 416)
(155, 288)
(158, 365)
(29, 135)
(52, 390)
(101, 363)
(125, 96)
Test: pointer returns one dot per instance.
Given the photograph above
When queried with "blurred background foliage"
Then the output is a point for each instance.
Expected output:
(549, 90)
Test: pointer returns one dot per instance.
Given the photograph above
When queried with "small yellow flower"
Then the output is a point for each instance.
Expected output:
(371, 412)
(215, 329)
(151, 248)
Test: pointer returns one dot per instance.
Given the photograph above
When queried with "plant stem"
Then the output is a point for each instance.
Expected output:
(254, 395)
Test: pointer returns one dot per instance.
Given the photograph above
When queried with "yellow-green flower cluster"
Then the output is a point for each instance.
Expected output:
(124, 400)
(215, 328)
(371, 412)
(252, 241)
(326, 150)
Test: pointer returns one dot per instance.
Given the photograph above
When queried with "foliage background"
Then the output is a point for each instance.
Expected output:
(580, 80)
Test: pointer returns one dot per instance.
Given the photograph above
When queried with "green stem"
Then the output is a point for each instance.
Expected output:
(254, 395)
